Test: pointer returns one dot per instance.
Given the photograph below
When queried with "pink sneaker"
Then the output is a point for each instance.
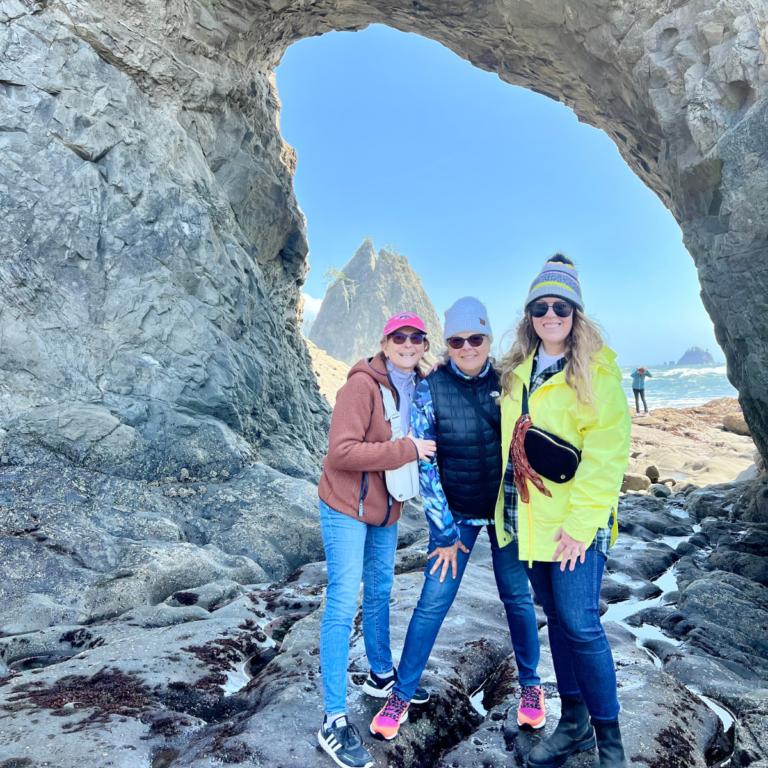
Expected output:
(531, 712)
(387, 723)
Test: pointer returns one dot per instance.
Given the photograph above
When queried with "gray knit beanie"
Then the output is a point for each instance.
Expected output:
(559, 278)
(467, 315)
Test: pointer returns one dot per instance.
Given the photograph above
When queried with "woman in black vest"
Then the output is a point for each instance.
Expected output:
(456, 406)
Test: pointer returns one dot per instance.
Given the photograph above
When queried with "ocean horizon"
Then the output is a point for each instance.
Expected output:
(684, 386)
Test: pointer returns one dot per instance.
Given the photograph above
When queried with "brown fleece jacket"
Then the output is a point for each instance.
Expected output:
(360, 447)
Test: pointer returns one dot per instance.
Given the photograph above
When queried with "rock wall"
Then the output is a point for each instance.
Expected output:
(359, 302)
(152, 250)
(150, 256)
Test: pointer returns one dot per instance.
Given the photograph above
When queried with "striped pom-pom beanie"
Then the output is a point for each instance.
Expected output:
(558, 278)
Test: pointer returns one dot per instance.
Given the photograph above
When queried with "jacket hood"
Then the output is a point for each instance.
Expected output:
(605, 361)
(375, 367)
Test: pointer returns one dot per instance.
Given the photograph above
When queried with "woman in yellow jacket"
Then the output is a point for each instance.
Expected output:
(565, 443)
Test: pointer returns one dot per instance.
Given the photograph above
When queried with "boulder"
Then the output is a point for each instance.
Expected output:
(635, 482)
(660, 490)
(736, 423)
(652, 472)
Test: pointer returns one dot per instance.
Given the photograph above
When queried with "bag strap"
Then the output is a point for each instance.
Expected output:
(479, 408)
(391, 414)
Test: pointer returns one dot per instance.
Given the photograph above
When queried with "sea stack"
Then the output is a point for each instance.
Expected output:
(367, 292)
(696, 356)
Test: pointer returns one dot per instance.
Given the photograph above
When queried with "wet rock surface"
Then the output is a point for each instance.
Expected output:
(652, 734)
(79, 547)
(201, 676)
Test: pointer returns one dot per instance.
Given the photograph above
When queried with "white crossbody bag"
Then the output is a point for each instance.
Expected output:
(402, 483)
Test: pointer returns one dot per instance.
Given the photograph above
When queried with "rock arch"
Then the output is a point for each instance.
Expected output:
(153, 249)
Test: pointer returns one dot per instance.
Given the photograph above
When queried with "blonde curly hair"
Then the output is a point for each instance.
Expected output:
(583, 342)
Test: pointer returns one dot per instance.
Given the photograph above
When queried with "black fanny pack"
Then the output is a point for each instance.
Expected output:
(550, 456)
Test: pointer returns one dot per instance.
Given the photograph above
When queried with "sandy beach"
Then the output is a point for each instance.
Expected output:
(690, 444)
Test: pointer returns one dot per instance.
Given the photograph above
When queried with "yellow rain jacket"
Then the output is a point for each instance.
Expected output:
(583, 504)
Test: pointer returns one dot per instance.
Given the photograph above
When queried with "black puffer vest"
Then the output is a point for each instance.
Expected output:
(468, 448)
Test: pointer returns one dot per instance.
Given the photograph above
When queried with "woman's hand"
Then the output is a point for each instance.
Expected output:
(437, 365)
(569, 548)
(426, 448)
(447, 556)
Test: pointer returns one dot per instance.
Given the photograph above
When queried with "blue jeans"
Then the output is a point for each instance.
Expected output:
(355, 551)
(436, 599)
(580, 650)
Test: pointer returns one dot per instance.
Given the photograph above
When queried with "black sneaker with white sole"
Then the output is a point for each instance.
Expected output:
(341, 740)
(380, 688)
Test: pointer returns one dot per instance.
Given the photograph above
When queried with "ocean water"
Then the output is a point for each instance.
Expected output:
(681, 387)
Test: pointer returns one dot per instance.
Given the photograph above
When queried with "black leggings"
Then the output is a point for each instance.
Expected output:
(638, 394)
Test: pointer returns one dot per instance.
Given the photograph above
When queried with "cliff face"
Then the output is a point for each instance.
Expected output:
(152, 251)
(360, 301)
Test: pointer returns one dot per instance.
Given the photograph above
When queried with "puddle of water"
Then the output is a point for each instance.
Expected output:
(673, 541)
(622, 578)
(649, 632)
(620, 611)
(667, 582)
(697, 528)
(726, 717)
(651, 655)
(236, 680)
(476, 700)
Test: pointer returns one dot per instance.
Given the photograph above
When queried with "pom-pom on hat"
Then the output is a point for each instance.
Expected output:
(559, 278)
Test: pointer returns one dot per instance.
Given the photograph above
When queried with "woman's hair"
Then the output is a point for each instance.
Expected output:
(583, 342)
(422, 367)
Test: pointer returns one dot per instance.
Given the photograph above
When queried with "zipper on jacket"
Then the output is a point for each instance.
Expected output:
(481, 438)
(363, 493)
(389, 510)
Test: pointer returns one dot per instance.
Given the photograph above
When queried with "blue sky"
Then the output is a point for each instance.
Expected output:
(477, 183)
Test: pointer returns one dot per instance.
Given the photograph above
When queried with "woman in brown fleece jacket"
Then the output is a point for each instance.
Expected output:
(359, 524)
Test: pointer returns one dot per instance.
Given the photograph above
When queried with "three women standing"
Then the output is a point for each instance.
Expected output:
(564, 445)
(456, 406)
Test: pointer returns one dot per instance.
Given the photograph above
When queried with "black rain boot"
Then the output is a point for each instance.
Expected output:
(573, 734)
(609, 745)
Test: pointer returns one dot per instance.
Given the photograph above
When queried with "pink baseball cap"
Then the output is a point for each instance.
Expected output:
(403, 319)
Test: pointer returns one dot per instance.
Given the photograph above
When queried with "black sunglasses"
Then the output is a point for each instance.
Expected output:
(456, 342)
(540, 308)
(417, 339)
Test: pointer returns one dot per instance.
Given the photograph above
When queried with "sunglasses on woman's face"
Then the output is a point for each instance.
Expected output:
(417, 339)
(456, 342)
(540, 308)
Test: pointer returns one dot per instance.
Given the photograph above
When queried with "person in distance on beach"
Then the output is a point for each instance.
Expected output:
(457, 407)
(638, 387)
(358, 520)
(565, 442)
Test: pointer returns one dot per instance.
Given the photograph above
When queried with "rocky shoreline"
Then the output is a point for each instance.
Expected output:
(186, 632)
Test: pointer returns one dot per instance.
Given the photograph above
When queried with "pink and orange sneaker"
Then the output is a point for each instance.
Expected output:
(531, 712)
(387, 723)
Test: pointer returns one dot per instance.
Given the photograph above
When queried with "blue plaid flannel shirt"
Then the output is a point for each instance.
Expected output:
(602, 540)
(442, 525)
